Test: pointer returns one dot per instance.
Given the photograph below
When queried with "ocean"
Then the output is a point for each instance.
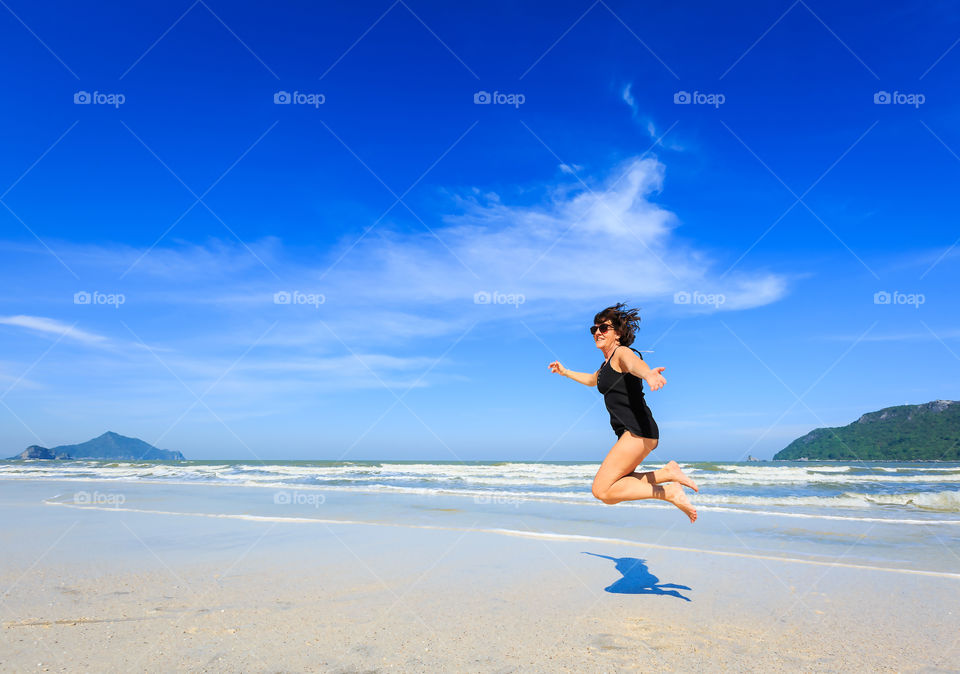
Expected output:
(890, 491)
(902, 517)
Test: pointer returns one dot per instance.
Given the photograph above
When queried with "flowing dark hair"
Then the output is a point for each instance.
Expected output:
(623, 319)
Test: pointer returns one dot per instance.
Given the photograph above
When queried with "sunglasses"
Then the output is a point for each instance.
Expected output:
(603, 328)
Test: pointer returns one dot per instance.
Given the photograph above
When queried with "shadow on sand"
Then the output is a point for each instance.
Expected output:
(637, 579)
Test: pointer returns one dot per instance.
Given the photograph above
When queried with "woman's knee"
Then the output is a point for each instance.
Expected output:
(603, 494)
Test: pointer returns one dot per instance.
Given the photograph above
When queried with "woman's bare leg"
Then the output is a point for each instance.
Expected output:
(616, 480)
(669, 473)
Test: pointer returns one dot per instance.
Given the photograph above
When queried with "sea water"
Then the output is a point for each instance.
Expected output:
(895, 491)
(903, 517)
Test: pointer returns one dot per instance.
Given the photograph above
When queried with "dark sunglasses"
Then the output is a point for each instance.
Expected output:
(603, 327)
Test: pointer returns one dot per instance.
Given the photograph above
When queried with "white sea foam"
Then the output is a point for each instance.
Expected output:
(817, 508)
(505, 474)
(732, 475)
(944, 501)
(841, 486)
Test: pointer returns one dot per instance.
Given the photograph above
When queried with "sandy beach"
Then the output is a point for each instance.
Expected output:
(104, 588)
(508, 337)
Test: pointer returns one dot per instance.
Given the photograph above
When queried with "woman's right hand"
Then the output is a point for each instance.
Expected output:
(555, 366)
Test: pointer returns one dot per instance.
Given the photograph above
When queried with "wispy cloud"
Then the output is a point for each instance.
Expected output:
(400, 299)
(54, 327)
(579, 243)
(584, 240)
(403, 298)
(626, 94)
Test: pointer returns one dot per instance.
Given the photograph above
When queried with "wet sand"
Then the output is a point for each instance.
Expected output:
(95, 590)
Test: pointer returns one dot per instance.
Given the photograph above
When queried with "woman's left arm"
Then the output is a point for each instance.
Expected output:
(634, 364)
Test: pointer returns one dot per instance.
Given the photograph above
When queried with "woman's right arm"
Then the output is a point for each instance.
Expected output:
(585, 378)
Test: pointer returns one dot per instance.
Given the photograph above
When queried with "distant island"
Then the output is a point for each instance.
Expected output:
(110, 445)
(904, 433)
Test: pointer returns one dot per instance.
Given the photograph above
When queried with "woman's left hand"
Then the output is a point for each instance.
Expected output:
(656, 380)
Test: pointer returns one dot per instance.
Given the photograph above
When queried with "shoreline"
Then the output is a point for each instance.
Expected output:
(92, 590)
(468, 461)
(544, 535)
(506, 496)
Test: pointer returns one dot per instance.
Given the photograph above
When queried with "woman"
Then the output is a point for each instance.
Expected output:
(620, 380)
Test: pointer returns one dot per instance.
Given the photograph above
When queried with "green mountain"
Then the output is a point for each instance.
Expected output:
(110, 445)
(904, 433)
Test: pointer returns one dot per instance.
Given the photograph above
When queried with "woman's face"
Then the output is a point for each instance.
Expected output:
(602, 339)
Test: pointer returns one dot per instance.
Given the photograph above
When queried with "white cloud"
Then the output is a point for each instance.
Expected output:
(608, 240)
(18, 381)
(401, 299)
(53, 326)
(575, 246)
(627, 95)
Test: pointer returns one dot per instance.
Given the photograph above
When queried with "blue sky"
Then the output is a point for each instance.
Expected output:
(780, 201)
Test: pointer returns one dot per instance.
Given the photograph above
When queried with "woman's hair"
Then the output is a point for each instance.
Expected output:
(623, 319)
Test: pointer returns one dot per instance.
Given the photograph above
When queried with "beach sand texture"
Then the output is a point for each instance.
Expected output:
(98, 590)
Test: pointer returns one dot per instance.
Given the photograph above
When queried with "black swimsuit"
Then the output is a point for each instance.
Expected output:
(623, 396)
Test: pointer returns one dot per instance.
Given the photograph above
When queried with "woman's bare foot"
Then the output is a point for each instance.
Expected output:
(673, 493)
(672, 473)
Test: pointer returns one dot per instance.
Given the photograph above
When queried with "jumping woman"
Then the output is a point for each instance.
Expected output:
(620, 380)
